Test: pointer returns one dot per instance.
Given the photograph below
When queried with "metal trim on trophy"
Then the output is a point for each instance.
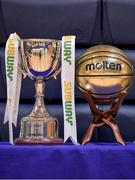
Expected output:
(103, 75)
(40, 62)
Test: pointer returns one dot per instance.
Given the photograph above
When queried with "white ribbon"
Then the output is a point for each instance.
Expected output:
(13, 77)
(68, 82)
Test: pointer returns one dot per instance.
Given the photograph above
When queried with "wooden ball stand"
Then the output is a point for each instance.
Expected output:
(101, 118)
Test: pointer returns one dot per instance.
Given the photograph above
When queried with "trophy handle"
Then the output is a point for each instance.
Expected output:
(24, 73)
(56, 73)
(20, 64)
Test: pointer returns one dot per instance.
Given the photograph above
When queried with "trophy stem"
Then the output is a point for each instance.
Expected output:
(39, 109)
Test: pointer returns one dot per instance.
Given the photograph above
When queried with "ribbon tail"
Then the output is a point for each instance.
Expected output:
(7, 118)
(11, 65)
(67, 79)
(16, 105)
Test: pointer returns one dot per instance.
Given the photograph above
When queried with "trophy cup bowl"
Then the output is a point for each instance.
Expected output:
(40, 62)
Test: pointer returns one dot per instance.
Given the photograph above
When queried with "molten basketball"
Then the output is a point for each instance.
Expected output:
(104, 71)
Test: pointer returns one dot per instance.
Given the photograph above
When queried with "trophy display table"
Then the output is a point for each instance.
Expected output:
(94, 160)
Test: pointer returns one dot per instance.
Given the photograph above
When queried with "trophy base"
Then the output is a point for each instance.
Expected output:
(45, 142)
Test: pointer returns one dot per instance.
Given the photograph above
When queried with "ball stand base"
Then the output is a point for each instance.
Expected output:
(101, 118)
(33, 142)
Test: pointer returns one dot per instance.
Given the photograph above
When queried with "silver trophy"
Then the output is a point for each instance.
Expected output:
(40, 62)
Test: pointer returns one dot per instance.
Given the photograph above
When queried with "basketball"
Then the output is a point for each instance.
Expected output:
(104, 71)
